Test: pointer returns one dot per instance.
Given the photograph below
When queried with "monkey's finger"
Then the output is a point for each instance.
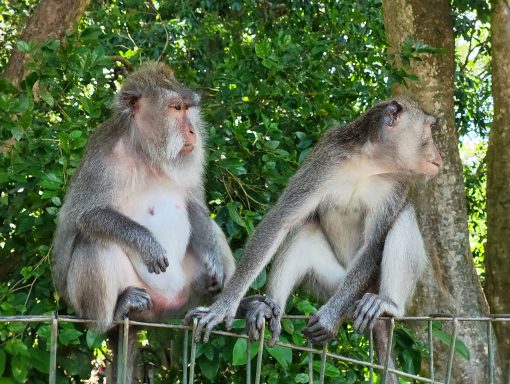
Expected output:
(260, 320)
(198, 312)
(253, 332)
(367, 316)
(313, 320)
(199, 329)
(374, 319)
(321, 339)
(208, 329)
(167, 263)
(313, 327)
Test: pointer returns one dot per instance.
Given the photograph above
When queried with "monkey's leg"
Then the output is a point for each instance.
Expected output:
(92, 282)
(306, 254)
(402, 262)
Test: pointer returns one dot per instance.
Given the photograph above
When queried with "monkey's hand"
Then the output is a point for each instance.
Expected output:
(368, 309)
(322, 326)
(257, 309)
(209, 317)
(154, 257)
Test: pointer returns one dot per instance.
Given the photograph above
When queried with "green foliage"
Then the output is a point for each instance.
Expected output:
(273, 77)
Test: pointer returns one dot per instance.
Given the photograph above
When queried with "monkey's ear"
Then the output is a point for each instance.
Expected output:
(392, 113)
(128, 100)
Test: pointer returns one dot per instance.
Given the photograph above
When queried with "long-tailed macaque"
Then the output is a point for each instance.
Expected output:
(344, 227)
(134, 235)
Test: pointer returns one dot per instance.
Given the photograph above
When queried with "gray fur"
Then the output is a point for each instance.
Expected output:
(327, 199)
(91, 222)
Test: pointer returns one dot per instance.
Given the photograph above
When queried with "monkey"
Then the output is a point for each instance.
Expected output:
(344, 227)
(134, 237)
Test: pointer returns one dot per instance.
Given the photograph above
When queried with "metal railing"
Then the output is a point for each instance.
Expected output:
(189, 352)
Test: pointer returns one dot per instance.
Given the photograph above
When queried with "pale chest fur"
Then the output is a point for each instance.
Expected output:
(160, 206)
(351, 195)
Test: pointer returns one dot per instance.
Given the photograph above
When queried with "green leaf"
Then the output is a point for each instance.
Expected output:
(16, 347)
(446, 338)
(301, 378)
(288, 325)
(282, 354)
(260, 281)
(68, 336)
(40, 360)
(3, 359)
(209, 368)
(234, 215)
(23, 46)
(239, 352)
(94, 338)
(19, 367)
(331, 370)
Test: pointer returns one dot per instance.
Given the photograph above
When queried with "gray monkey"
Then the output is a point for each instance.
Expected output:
(134, 235)
(344, 227)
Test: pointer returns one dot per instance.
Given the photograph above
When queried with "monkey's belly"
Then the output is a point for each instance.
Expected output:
(163, 212)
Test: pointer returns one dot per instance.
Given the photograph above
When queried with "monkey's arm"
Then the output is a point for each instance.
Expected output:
(207, 244)
(107, 224)
(299, 200)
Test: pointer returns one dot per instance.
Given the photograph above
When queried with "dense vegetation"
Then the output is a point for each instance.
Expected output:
(273, 77)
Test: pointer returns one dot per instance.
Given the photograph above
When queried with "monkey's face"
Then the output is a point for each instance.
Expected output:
(410, 133)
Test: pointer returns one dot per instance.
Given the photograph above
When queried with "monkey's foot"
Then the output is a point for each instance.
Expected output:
(322, 326)
(258, 310)
(209, 317)
(132, 299)
(368, 309)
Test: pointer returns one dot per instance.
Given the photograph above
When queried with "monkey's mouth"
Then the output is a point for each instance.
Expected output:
(187, 148)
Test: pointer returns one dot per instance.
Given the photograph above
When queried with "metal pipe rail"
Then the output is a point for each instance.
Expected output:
(189, 354)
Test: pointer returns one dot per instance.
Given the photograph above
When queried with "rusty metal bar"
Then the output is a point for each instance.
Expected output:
(323, 364)
(452, 351)
(193, 353)
(388, 351)
(310, 364)
(371, 355)
(260, 353)
(431, 349)
(53, 350)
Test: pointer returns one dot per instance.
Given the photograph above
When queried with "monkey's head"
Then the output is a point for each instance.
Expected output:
(162, 115)
(406, 137)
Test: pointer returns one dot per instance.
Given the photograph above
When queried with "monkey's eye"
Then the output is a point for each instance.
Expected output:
(177, 107)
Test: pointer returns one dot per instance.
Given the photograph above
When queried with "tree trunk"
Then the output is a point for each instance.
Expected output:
(497, 251)
(51, 19)
(451, 285)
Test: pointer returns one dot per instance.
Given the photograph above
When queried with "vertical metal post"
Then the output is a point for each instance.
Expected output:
(310, 364)
(323, 363)
(388, 351)
(371, 355)
(452, 350)
(53, 350)
(248, 361)
(123, 351)
(193, 352)
(489, 352)
(185, 357)
(260, 353)
(431, 350)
